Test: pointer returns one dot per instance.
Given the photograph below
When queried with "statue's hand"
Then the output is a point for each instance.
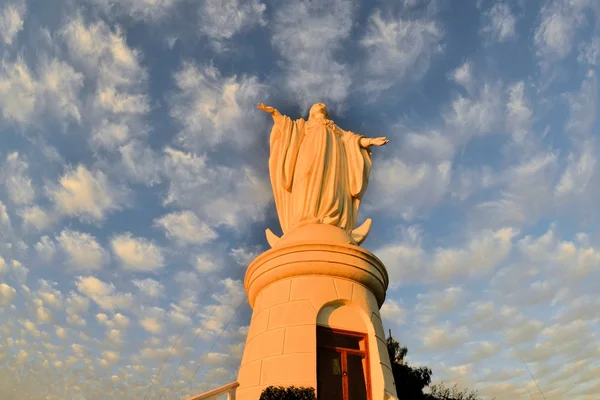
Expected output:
(270, 110)
(380, 141)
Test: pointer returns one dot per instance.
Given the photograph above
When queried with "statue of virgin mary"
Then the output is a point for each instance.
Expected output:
(319, 172)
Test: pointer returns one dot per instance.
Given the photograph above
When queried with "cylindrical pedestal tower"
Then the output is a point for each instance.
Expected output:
(315, 321)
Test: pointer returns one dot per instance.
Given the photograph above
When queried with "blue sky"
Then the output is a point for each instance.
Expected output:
(134, 186)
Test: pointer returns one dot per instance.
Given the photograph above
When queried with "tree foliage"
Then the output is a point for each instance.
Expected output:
(412, 381)
(441, 392)
(288, 393)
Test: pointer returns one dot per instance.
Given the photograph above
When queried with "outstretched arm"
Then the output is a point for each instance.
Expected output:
(368, 142)
(271, 110)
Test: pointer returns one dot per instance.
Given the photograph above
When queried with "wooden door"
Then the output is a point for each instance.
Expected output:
(342, 365)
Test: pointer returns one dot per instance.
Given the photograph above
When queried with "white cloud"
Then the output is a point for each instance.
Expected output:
(43, 315)
(221, 19)
(444, 337)
(15, 175)
(86, 194)
(578, 174)
(564, 259)
(49, 295)
(432, 304)
(110, 357)
(149, 10)
(483, 350)
(583, 106)
(150, 287)
(484, 252)
(7, 294)
(152, 325)
(475, 115)
(463, 75)
(61, 332)
(83, 251)
(76, 307)
(61, 85)
(45, 248)
(518, 113)
(408, 262)
(393, 312)
(140, 162)
(19, 271)
(559, 20)
(307, 35)
(117, 102)
(104, 294)
(4, 219)
(118, 93)
(137, 254)
(18, 91)
(110, 135)
(3, 266)
(421, 186)
(104, 53)
(12, 17)
(399, 49)
(527, 195)
(215, 316)
(204, 264)
(405, 261)
(240, 196)
(25, 97)
(589, 53)
(185, 228)
(500, 22)
(243, 255)
(212, 108)
(36, 217)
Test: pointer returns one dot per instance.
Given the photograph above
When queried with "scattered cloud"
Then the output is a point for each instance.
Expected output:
(240, 197)
(86, 194)
(150, 287)
(398, 49)
(104, 294)
(15, 175)
(221, 20)
(185, 228)
(137, 254)
(12, 17)
(7, 294)
(83, 251)
(559, 20)
(500, 23)
(212, 108)
(307, 36)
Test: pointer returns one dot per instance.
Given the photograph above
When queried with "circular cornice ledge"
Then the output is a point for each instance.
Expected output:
(344, 261)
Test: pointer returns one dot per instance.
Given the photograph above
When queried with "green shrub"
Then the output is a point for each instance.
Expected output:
(288, 393)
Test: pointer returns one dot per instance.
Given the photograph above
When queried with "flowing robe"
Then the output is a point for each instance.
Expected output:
(318, 172)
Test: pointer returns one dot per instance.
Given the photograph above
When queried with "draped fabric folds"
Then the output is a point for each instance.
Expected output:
(318, 172)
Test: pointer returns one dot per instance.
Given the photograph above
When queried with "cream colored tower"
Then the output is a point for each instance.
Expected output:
(313, 277)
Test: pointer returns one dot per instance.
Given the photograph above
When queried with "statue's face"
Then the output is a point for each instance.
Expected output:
(319, 109)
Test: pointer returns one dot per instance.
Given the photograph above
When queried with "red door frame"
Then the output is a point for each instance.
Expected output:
(343, 351)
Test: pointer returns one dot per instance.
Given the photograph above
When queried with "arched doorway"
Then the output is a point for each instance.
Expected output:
(342, 355)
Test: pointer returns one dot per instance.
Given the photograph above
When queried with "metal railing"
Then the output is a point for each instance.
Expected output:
(228, 389)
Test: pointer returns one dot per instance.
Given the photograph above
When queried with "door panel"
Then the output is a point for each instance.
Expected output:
(329, 375)
(342, 365)
(357, 385)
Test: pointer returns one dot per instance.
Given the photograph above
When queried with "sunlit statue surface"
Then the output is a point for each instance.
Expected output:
(319, 172)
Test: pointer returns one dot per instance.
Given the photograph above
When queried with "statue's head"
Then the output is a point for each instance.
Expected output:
(318, 110)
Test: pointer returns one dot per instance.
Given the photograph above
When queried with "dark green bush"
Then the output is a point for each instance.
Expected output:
(288, 393)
